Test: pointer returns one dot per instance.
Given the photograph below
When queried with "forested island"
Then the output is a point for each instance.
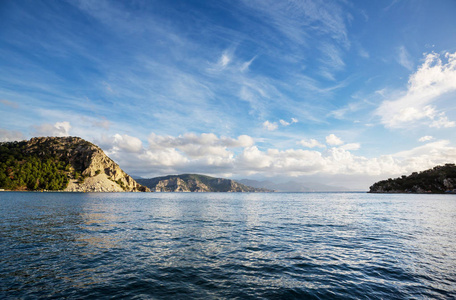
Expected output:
(440, 179)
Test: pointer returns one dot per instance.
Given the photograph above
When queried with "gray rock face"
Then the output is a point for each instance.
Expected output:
(196, 183)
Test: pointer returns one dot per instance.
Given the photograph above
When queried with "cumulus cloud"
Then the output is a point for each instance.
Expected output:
(433, 79)
(57, 129)
(127, 143)
(218, 156)
(339, 161)
(351, 146)
(333, 140)
(442, 122)
(270, 125)
(311, 143)
(425, 138)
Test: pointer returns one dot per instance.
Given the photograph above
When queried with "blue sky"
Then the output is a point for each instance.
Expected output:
(340, 92)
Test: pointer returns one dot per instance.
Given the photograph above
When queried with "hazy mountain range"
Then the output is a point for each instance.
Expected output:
(292, 186)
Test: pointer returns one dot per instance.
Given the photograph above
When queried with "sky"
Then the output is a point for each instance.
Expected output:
(337, 92)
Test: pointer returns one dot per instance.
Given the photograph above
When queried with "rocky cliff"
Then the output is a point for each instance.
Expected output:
(440, 179)
(196, 183)
(68, 163)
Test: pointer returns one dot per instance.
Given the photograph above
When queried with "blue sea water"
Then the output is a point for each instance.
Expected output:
(227, 246)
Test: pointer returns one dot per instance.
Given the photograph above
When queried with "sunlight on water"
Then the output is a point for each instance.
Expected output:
(316, 245)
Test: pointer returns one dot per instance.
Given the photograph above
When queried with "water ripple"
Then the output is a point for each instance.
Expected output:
(227, 246)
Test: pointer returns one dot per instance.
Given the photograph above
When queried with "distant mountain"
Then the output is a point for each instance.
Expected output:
(196, 183)
(61, 163)
(440, 179)
(293, 186)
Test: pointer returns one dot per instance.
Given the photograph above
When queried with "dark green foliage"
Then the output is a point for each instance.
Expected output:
(20, 170)
(436, 180)
(120, 182)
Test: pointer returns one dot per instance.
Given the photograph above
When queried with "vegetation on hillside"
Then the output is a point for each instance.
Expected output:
(20, 170)
(440, 179)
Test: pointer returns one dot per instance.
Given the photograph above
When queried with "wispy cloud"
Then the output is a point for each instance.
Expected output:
(331, 60)
(9, 103)
(404, 59)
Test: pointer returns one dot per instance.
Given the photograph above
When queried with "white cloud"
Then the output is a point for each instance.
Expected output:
(311, 143)
(241, 141)
(270, 125)
(212, 155)
(331, 60)
(224, 60)
(245, 66)
(425, 138)
(433, 79)
(284, 123)
(403, 58)
(442, 122)
(58, 129)
(351, 146)
(127, 143)
(333, 140)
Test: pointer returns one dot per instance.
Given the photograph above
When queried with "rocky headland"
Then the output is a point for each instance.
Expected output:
(196, 183)
(440, 179)
(61, 163)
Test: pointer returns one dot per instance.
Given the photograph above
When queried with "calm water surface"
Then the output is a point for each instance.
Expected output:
(217, 245)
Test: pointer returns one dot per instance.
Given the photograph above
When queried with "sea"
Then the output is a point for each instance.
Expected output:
(227, 246)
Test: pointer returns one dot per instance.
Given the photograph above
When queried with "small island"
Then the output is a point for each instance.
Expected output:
(438, 180)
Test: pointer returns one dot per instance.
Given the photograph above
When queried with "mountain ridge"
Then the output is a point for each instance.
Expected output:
(196, 183)
(293, 186)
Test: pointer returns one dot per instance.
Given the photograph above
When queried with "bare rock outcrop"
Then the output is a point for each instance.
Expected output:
(196, 183)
